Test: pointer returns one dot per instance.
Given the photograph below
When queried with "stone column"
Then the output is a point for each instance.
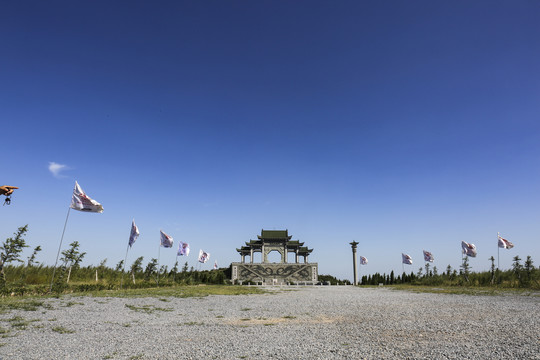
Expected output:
(353, 246)
(251, 256)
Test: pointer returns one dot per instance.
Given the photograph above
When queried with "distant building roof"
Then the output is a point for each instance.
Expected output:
(275, 234)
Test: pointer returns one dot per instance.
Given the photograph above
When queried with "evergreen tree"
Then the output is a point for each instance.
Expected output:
(492, 259)
(465, 268)
(427, 269)
(529, 268)
(517, 268)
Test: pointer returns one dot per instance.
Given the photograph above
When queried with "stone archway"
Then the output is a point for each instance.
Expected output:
(274, 256)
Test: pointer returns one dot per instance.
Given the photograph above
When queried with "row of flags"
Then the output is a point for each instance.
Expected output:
(82, 202)
(467, 249)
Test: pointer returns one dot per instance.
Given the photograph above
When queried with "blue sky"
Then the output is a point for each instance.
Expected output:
(401, 125)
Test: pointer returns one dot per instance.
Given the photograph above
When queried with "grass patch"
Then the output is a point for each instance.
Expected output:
(220, 317)
(245, 309)
(463, 290)
(22, 304)
(180, 291)
(62, 330)
(71, 303)
(289, 317)
(148, 309)
(19, 322)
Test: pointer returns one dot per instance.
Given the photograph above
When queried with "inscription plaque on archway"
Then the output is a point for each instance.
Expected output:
(274, 273)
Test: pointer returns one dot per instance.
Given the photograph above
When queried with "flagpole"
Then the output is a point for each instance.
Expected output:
(176, 264)
(159, 252)
(124, 269)
(59, 247)
(498, 250)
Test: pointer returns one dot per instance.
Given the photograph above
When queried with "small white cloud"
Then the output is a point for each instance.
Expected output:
(55, 169)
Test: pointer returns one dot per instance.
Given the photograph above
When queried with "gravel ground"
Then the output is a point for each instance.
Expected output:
(338, 322)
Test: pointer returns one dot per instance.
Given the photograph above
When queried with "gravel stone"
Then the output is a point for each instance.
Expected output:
(314, 322)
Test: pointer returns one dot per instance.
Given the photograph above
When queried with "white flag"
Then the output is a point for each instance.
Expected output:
(468, 249)
(363, 260)
(134, 234)
(166, 240)
(80, 201)
(183, 249)
(406, 259)
(203, 256)
(503, 243)
(428, 256)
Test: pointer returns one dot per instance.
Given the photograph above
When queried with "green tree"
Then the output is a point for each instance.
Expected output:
(11, 251)
(119, 266)
(136, 267)
(72, 258)
(529, 268)
(517, 268)
(427, 269)
(32, 258)
(492, 259)
(151, 269)
(465, 268)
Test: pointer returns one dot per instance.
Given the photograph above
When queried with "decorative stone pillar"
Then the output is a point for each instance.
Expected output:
(353, 246)
(251, 256)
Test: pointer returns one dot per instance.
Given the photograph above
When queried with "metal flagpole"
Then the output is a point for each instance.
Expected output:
(176, 264)
(159, 252)
(59, 247)
(124, 269)
(498, 250)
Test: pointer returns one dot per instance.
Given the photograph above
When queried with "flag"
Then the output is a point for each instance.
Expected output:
(503, 243)
(215, 265)
(428, 256)
(134, 233)
(80, 201)
(363, 260)
(166, 240)
(203, 256)
(468, 249)
(406, 259)
(183, 249)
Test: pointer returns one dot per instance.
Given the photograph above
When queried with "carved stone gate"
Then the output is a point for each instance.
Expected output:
(274, 273)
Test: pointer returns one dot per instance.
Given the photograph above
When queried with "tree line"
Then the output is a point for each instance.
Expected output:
(20, 277)
(521, 275)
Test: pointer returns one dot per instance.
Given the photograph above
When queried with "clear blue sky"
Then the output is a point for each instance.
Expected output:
(403, 125)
